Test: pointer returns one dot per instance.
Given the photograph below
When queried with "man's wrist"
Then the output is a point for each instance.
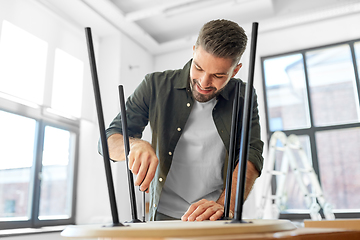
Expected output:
(134, 141)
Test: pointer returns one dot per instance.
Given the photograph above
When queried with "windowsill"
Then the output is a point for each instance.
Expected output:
(27, 231)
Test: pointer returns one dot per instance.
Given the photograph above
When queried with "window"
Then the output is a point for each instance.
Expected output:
(16, 166)
(41, 82)
(22, 50)
(55, 188)
(68, 75)
(314, 94)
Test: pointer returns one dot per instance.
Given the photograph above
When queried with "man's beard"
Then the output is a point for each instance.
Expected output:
(202, 97)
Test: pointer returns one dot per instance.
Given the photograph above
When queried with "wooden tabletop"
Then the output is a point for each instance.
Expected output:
(177, 230)
(297, 234)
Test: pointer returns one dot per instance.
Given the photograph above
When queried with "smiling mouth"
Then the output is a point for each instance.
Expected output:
(201, 90)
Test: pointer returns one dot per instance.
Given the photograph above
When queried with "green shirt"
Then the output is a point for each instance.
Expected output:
(165, 100)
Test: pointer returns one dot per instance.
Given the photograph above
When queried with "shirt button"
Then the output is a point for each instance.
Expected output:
(160, 179)
(188, 104)
(170, 153)
(179, 129)
(154, 205)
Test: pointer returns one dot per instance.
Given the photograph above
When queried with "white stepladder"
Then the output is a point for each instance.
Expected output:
(279, 142)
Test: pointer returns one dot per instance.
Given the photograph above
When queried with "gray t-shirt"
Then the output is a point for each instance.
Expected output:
(196, 168)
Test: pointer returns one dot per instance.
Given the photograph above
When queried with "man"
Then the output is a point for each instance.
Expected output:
(189, 111)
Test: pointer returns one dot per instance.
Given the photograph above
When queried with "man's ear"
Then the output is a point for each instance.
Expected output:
(236, 69)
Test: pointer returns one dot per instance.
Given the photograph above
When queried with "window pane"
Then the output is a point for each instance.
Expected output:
(286, 93)
(22, 63)
(16, 160)
(67, 87)
(339, 158)
(332, 86)
(56, 180)
(292, 191)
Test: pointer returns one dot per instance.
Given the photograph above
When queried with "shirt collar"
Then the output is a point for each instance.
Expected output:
(225, 93)
(184, 77)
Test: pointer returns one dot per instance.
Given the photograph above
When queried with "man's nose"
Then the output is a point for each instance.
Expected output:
(205, 81)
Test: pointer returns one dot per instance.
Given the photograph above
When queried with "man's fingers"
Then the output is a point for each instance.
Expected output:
(141, 173)
(217, 215)
(212, 213)
(131, 160)
(151, 169)
(195, 210)
(134, 164)
(203, 210)
(135, 167)
(198, 212)
(191, 209)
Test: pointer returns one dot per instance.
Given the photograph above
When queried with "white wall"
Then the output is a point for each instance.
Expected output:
(173, 60)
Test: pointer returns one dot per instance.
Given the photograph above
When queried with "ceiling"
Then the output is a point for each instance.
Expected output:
(160, 26)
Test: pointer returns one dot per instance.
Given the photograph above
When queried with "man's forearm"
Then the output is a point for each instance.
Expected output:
(221, 199)
(251, 175)
(116, 146)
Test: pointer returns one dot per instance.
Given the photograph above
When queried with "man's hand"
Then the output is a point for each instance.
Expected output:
(142, 158)
(143, 162)
(203, 210)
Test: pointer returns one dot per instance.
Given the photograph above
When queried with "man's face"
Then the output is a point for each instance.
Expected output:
(209, 74)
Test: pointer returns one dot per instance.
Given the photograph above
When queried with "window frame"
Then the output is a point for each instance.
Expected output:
(311, 131)
(43, 119)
